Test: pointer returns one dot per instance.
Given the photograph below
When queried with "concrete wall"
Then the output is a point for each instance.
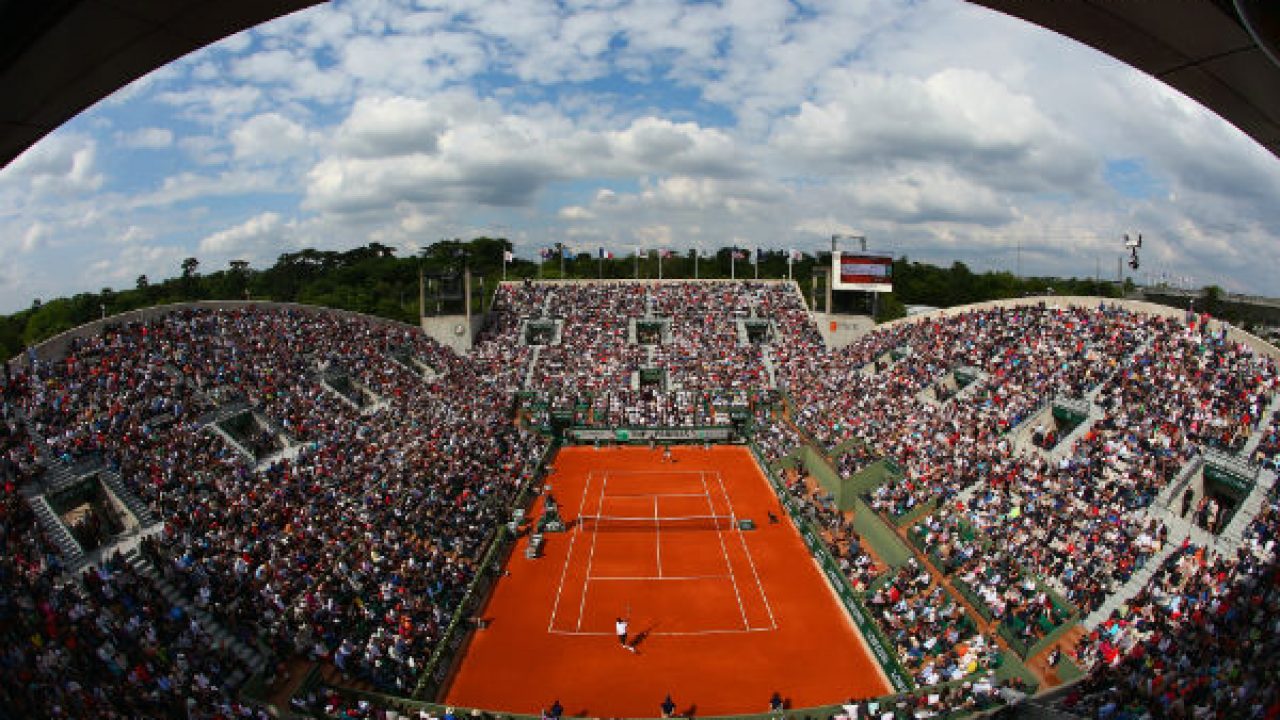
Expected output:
(453, 331)
(841, 330)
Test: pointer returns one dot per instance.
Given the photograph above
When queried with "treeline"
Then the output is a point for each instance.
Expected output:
(372, 279)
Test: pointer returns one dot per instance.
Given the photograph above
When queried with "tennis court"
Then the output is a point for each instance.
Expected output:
(720, 617)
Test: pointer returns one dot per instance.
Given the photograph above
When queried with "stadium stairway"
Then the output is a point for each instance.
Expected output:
(58, 476)
(1171, 495)
(115, 484)
(1127, 361)
(252, 661)
(533, 363)
(1255, 438)
(1136, 582)
(1250, 507)
(230, 441)
(72, 554)
(770, 369)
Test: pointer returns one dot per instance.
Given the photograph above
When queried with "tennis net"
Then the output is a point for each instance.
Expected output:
(597, 523)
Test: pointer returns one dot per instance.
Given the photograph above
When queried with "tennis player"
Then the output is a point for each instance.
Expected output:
(620, 625)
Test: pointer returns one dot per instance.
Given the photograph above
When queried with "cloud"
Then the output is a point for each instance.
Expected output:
(575, 212)
(963, 118)
(60, 165)
(250, 237)
(213, 104)
(148, 138)
(270, 137)
(188, 186)
(389, 126)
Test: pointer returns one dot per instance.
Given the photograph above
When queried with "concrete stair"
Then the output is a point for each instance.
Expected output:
(533, 363)
(1131, 588)
(58, 476)
(1259, 432)
(73, 555)
(251, 660)
(115, 484)
(770, 369)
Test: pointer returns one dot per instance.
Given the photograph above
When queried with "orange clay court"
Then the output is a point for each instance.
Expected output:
(719, 617)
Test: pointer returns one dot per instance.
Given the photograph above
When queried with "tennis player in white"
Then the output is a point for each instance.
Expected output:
(620, 625)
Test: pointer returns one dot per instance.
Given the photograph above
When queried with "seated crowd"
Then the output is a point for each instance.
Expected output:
(360, 540)
(685, 374)
(351, 529)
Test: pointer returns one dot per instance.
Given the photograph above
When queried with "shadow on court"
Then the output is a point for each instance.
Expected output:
(643, 635)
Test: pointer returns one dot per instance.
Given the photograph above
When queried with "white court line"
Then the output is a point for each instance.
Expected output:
(595, 532)
(616, 473)
(656, 495)
(650, 578)
(746, 623)
(569, 556)
(670, 633)
(657, 535)
(750, 560)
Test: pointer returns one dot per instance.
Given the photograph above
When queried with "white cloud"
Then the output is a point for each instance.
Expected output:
(192, 186)
(387, 126)
(267, 138)
(148, 138)
(575, 212)
(616, 121)
(60, 165)
(248, 238)
(214, 104)
(34, 237)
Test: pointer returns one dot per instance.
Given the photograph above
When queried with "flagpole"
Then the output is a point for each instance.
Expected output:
(601, 253)
(560, 246)
(659, 264)
(733, 264)
(757, 263)
(791, 256)
(637, 262)
(696, 253)
(504, 266)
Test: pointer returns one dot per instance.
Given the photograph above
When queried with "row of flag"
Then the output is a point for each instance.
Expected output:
(550, 253)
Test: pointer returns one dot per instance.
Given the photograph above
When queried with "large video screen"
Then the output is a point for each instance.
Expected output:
(869, 273)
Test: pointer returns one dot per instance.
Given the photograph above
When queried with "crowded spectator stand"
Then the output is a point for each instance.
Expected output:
(331, 487)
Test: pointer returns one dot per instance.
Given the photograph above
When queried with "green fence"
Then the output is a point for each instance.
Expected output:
(880, 646)
(438, 667)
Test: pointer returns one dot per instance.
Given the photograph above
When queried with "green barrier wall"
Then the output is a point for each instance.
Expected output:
(880, 647)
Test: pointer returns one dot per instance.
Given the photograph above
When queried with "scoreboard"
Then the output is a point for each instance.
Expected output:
(857, 271)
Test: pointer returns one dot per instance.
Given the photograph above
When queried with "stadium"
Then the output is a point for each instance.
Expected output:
(327, 513)
(601, 492)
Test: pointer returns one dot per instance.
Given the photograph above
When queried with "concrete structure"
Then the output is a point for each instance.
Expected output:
(1220, 53)
(58, 57)
(453, 331)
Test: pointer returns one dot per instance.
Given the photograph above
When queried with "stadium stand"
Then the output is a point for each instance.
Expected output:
(195, 495)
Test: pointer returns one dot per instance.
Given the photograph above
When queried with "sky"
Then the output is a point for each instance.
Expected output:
(936, 129)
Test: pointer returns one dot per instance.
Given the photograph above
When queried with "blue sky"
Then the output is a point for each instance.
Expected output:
(937, 129)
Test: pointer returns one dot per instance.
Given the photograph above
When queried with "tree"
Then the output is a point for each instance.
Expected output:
(143, 283)
(190, 271)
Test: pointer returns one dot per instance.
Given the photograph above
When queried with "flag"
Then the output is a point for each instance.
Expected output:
(739, 255)
(759, 256)
(605, 254)
(637, 251)
(796, 256)
(664, 253)
(546, 253)
(508, 256)
(566, 252)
